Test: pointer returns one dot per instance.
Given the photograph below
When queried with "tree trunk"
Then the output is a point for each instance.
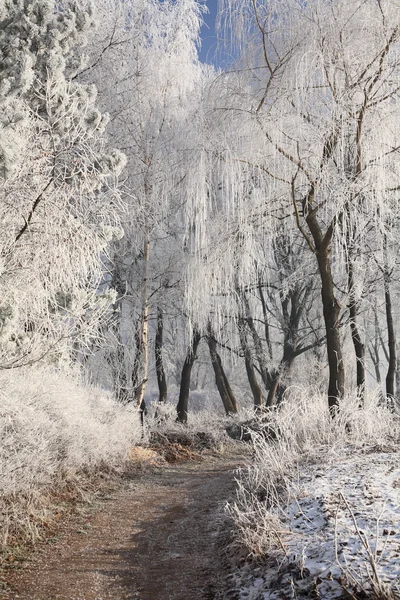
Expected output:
(120, 379)
(116, 359)
(224, 389)
(141, 362)
(331, 307)
(331, 311)
(182, 407)
(271, 398)
(359, 347)
(160, 372)
(266, 321)
(374, 354)
(391, 373)
(258, 348)
(250, 370)
(288, 358)
(235, 405)
(374, 347)
(295, 299)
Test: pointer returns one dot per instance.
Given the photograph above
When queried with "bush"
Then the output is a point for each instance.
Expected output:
(53, 427)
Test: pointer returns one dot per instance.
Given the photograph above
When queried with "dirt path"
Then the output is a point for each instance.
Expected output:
(159, 539)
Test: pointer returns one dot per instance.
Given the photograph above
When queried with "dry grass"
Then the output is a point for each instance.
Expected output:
(369, 582)
(37, 514)
(176, 446)
(60, 440)
(304, 427)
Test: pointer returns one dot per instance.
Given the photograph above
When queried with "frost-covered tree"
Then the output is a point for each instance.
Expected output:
(57, 183)
(144, 60)
(313, 135)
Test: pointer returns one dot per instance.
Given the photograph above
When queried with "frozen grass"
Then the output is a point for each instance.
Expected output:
(52, 430)
(294, 483)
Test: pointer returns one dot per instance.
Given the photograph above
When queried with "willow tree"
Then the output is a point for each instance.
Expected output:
(322, 91)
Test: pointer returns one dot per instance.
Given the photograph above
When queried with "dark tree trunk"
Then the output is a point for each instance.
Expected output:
(296, 300)
(250, 370)
(271, 398)
(331, 307)
(120, 379)
(266, 321)
(160, 372)
(331, 310)
(374, 348)
(224, 389)
(117, 359)
(141, 361)
(289, 354)
(182, 407)
(235, 405)
(258, 347)
(374, 354)
(359, 347)
(320, 244)
(391, 373)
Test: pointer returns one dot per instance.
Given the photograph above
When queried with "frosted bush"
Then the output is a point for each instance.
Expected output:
(303, 420)
(51, 424)
(303, 425)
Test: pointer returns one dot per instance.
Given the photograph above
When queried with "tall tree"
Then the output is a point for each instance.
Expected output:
(57, 184)
(152, 43)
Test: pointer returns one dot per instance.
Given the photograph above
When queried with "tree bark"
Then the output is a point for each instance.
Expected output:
(266, 321)
(116, 360)
(374, 354)
(320, 245)
(288, 358)
(358, 345)
(391, 372)
(250, 370)
(331, 311)
(120, 379)
(331, 306)
(374, 347)
(258, 348)
(160, 372)
(182, 406)
(141, 362)
(224, 388)
(293, 306)
(271, 398)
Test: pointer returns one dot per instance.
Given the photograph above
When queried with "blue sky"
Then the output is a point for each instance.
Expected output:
(209, 40)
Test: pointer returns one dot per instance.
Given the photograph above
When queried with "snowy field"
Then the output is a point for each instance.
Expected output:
(338, 534)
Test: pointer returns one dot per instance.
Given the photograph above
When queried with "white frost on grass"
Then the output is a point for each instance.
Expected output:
(322, 521)
(340, 530)
(342, 522)
(51, 424)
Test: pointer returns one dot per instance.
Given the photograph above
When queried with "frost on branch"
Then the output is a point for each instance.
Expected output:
(58, 193)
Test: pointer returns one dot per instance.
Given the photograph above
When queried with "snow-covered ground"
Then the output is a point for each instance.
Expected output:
(340, 530)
